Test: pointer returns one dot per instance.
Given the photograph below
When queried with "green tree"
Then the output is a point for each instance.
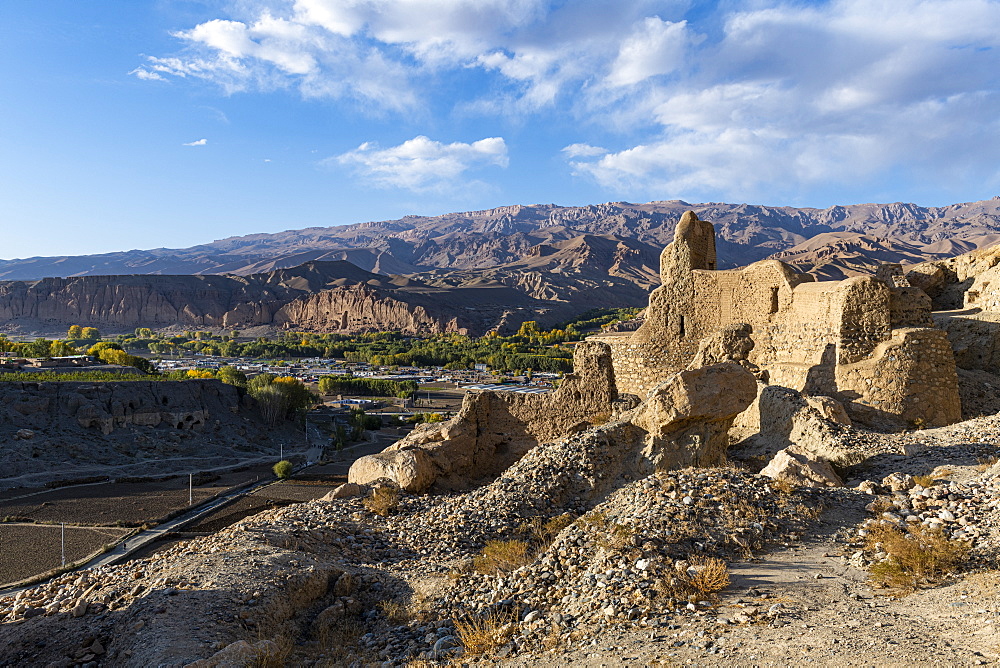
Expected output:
(90, 333)
(143, 333)
(75, 332)
(277, 397)
(232, 376)
(283, 469)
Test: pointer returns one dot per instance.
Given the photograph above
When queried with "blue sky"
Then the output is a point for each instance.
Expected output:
(176, 122)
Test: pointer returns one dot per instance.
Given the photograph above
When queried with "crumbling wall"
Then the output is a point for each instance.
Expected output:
(909, 378)
(828, 338)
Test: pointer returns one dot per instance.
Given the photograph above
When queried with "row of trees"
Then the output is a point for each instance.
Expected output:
(371, 387)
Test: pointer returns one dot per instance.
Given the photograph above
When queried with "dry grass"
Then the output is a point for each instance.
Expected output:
(704, 578)
(484, 634)
(383, 500)
(394, 611)
(502, 555)
(270, 653)
(783, 487)
(987, 462)
(932, 478)
(918, 557)
(710, 575)
(339, 642)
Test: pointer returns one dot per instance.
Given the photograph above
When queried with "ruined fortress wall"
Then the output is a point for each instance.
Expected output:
(640, 365)
(677, 320)
(588, 391)
(910, 377)
(849, 339)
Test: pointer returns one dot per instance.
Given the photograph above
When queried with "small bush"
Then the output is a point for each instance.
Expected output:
(394, 611)
(383, 500)
(921, 556)
(703, 579)
(502, 555)
(283, 469)
(924, 480)
(708, 576)
(482, 635)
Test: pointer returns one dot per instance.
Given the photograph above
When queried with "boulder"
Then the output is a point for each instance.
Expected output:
(412, 469)
(780, 417)
(802, 470)
(731, 344)
(241, 653)
(899, 482)
(829, 408)
(345, 491)
(687, 418)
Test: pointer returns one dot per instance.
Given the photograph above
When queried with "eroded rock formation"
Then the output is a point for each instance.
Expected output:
(139, 425)
(494, 429)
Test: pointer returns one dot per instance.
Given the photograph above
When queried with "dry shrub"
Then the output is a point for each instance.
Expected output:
(270, 654)
(924, 480)
(541, 532)
(339, 642)
(783, 488)
(617, 537)
(394, 611)
(812, 512)
(987, 462)
(921, 556)
(710, 575)
(483, 634)
(705, 577)
(502, 555)
(383, 500)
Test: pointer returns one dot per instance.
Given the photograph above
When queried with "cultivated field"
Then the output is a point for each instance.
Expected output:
(30, 549)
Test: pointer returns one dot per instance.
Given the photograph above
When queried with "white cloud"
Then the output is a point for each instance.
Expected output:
(775, 95)
(656, 47)
(198, 142)
(383, 51)
(146, 75)
(422, 164)
(583, 151)
(793, 97)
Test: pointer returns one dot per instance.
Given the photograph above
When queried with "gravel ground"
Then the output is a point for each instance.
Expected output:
(332, 583)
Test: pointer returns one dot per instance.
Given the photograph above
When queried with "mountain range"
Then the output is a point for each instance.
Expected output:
(542, 261)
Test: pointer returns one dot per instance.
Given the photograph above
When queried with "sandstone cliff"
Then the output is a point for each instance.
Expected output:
(324, 296)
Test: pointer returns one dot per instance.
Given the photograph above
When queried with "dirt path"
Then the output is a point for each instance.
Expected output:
(825, 613)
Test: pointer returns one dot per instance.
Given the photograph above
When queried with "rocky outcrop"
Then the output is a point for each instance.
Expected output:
(801, 469)
(495, 429)
(780, 417)
(686, 420)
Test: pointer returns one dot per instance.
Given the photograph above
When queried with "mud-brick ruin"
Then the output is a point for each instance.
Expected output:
(742, 362)
(869, 341)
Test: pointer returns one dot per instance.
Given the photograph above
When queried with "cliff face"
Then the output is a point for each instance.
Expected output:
(319, 296)
(359, 308)
(72, 429)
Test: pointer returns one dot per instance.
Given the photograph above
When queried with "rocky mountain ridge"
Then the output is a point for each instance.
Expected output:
(496, 237)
